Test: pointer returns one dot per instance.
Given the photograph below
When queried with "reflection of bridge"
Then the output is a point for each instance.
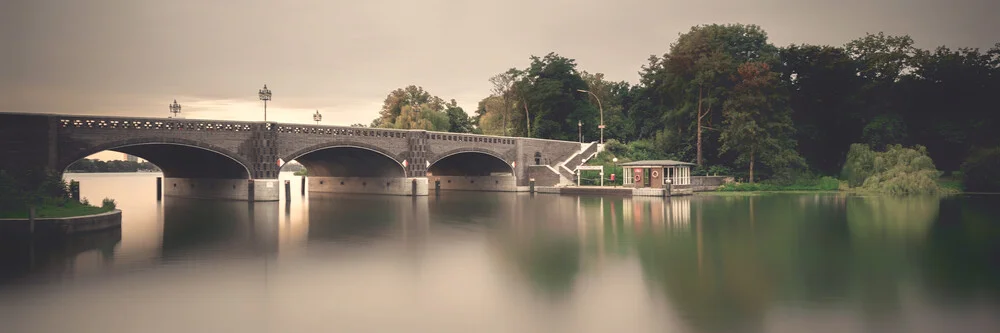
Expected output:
(215, 159)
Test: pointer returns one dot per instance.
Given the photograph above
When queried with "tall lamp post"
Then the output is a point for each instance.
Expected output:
(579, 126)
(265, 95)
(317, 117)
(175, 108)
(600, 107)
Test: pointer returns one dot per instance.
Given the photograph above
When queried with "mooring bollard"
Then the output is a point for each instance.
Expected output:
(159, 188)
(288, 191)
(303, 186)
(531, 185)
(437, 187)
(250, 190)
(74, 190)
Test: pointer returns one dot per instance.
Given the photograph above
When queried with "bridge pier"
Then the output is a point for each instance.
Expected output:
(368, 185)
(228, 189)
(478, 183)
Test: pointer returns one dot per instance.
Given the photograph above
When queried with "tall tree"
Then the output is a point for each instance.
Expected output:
(823, 87)
(502, 85)
(702, 61)
(758, 124)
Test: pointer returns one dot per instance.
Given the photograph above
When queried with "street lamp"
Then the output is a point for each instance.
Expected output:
(579, 125)
(175, 108)
(317, 117)
(265, 95)
(600, 107)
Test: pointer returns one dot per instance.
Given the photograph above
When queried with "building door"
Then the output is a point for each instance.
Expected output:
(646, 177)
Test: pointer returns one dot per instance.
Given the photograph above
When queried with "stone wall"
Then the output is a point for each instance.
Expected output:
(367, 185)
(542, 174)
(229, 189)
(62, 225)
(708, 183)
(475, 183)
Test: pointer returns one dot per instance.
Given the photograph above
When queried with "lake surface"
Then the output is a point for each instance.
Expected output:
(505, 262)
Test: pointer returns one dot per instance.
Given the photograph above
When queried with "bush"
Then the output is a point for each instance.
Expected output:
(981, 171)
(897, 170)
(85, 202)
(108, 204)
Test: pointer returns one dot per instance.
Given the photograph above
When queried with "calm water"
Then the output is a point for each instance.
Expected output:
(489, 262)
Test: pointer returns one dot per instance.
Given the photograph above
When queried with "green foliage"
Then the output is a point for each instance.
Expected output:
(825, 183)
(89, 165)
(108, 204)
(303, 172)
(981, 171)
(758, 125)
(897, 170)
(46, 191)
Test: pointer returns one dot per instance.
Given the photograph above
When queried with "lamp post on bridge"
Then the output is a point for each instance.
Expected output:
(579, 126)
(601, 108)
(265, 95)
(317, 117)
(175, 108)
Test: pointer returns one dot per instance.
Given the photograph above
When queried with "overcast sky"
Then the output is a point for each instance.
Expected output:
(133, 57)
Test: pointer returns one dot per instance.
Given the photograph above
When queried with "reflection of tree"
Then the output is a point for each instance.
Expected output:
(550, 263)
(884, 232)
(962, 256)
(744, 253)
(888, 218)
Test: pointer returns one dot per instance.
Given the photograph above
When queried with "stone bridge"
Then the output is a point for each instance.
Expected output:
(237, 160)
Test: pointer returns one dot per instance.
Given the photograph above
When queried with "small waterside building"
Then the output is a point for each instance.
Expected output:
(656, 173)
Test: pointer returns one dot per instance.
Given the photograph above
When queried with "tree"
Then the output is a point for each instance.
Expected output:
(457, 118)
(502, 84)
(360, 125)
(823, 87)
(412, 108)
(758, 125)
(557, 103)
(413, 96)
(702, 61)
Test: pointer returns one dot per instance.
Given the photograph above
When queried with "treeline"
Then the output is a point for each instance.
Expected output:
(725, 97)
(89, 165)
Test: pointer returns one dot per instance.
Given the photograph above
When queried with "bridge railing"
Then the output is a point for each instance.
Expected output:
(156, 124)
(465, 137)
(342, 131)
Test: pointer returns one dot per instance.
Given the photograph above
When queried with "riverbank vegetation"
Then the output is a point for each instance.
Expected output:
(89, 165)
(723, 96)
(50, 197)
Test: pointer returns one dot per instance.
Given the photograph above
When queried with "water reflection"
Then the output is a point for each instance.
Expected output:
(47, 260)
(707, 263)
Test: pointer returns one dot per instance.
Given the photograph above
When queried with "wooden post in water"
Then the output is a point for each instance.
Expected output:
(414, 188)
(437, 187)
(31, 220)
(531, 185)
(288, 191)
(303, 185)
(250, 190)
(159, 188)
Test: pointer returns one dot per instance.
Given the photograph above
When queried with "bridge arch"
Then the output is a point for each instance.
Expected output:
(470, 162)
(348, 160)
(176, 157)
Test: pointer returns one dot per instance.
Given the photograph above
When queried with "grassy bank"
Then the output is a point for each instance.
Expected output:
(54, 208)
(821, 184)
